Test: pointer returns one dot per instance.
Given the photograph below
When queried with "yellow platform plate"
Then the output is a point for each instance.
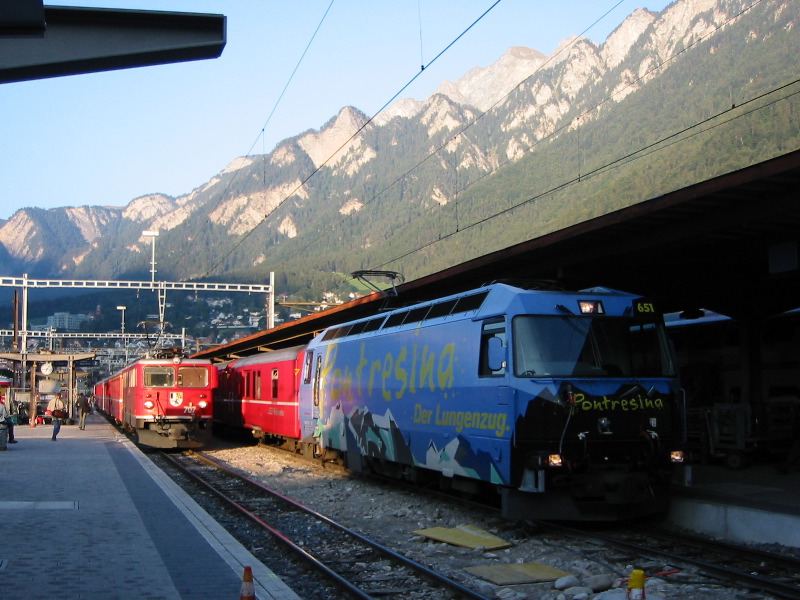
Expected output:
(517, 573)
(466, 536)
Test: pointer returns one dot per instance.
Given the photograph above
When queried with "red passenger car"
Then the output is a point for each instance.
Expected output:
(166, 401)
(260, 393)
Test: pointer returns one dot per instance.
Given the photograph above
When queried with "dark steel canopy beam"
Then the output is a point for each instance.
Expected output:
(88, 40)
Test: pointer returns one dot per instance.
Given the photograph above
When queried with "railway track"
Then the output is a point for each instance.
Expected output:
(694, 568)
(736, 567)
(355, 565)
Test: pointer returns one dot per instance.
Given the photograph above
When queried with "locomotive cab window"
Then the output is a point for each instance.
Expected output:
(589, 346)
(192, 377)
(645, 338)
(159, 377)
(493, 345)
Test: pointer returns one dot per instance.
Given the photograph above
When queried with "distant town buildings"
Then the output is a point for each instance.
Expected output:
(65, 321)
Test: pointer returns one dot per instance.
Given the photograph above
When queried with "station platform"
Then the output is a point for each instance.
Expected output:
(90, 517)
(755, 504)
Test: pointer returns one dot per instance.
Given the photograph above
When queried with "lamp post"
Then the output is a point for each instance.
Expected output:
(124, 345)
(153, 235)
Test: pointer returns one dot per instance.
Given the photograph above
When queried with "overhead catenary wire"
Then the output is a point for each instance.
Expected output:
(346, 142)
(461, 228)
(631, 156)
(644, 151)
(272, 112)
(467, 126)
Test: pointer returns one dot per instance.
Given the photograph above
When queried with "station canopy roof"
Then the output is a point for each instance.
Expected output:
(38, 41)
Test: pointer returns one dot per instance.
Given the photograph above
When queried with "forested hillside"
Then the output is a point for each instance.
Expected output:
(702, 89)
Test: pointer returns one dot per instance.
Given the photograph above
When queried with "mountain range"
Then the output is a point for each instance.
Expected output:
(525, 146)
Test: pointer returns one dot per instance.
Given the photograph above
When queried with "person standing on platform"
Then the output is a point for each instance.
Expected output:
(82, 404)
(9, 422)
(3, 417)
(58, 409)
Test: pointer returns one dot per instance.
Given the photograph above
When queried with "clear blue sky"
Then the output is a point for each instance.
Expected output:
(107, 138)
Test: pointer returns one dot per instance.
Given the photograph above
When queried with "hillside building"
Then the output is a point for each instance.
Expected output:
(65, 321)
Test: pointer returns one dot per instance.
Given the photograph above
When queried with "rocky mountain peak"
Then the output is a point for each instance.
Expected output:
(147, 208)
(333, 137)
(90, 221)
(15, 231)
(482, 87)
(622, 39)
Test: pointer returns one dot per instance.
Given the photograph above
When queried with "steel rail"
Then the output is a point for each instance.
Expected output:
(339, 580)
(317, 564)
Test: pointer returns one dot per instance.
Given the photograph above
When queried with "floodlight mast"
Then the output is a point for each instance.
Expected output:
(152, 235)
(124, 345)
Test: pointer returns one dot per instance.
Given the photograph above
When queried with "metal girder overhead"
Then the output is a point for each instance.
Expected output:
(38, 41)
(47, 357)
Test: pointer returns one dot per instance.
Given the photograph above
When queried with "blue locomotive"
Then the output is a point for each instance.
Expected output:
(565, 404)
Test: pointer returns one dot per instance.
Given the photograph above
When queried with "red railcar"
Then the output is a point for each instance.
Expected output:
(166, 402)
(260, 393)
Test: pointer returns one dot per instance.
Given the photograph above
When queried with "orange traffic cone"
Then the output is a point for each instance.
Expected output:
(248, 592)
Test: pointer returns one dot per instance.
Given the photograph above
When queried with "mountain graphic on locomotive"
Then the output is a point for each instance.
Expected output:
(564, 405)
(164, 399)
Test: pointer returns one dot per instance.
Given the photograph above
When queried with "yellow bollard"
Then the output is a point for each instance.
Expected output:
(636, 585)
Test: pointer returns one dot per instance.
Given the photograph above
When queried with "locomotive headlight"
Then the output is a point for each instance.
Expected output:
(604, 426)
(149, 404)
(554, 460)
(202, 404)
(676, 456)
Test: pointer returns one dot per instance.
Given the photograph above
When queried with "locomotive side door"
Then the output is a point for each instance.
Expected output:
(493, 369)
(493, 375)
(309, 396)
(316, 411)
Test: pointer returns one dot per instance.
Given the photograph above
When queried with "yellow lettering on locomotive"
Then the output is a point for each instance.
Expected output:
(327, 367)
(336, 389)
(606, 404)
(362, 362)
(397, 371)
(426, 368)
(388, 364)
(347, 384)
(376, 366)
(400, 374)
(421, 415)
(469, 420)
(446, 361)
